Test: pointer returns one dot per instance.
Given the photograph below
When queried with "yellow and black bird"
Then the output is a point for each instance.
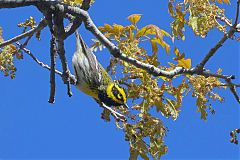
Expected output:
(93, 79)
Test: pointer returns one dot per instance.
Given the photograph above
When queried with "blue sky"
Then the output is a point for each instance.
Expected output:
(32, 128)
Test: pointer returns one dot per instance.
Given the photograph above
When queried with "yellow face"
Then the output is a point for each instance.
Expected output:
(117, 93)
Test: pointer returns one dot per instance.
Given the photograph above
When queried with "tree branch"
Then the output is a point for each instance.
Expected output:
(52, 70)
(59, 30)
(215, 48)
(17, 3)
(76, 22)
(228, 80)
(79, 13)
(42, 24)
(225, 20)
(237, 14)
(221, 41)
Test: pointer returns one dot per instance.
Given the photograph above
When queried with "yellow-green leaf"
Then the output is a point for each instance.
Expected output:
(131, 34)
(134, 18)
(226, 1)
(154, 42)
(154, 46)
(172, 108)
(149, 29)
(186, 63)
(163, 78)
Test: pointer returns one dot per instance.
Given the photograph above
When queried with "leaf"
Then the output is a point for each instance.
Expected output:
(131, 34)
(226, 1)
(171, 105)
(163, 78)
(134, 18)
(105, 28)
(142, 32)
(159, 106)
(170, 9)
(178, 54)
(165, 33)
(1, 38)
(149, 29)
(193, 22)
(117, 28)
(154, 46)
(154, 42)
(186, 63)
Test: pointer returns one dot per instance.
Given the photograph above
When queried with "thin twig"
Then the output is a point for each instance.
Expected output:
(72, 77)
(227, 85)
(42, 24)
(215, 48)
(225, 20)
(27, 40)
(233, 89)
(116, 115)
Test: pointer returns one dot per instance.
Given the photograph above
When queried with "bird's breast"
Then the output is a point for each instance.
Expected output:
(85, 88)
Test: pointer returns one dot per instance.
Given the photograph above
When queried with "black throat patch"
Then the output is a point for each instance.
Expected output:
(108, 101)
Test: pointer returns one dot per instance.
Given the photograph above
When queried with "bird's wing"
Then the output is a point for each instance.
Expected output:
(86, 62)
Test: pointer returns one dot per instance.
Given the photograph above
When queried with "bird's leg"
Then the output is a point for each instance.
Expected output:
(116, 115)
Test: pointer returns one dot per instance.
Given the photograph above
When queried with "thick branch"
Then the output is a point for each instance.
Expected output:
(42, 24)
(17, 3)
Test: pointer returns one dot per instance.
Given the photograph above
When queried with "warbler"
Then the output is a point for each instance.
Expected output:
(93, 79)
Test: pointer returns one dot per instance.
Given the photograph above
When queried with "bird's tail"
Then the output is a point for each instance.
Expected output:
(81, 46)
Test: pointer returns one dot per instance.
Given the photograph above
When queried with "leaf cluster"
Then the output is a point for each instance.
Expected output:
(151, 96)
(203, 91)
(200, 15)
(76, 2)
(7, 55)
(29, 23)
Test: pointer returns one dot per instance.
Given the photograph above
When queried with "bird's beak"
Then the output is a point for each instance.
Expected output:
(125, 105)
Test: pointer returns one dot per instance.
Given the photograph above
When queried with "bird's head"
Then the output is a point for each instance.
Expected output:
(115, 95)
